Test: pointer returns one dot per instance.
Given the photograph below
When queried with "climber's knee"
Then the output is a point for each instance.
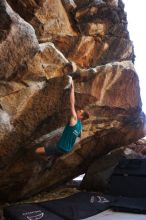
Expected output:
(40, 150)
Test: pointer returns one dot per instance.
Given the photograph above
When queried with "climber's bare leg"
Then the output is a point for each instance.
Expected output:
(40, 150)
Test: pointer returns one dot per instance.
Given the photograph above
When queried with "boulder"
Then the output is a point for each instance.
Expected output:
(115, 120)
(33, 103)
(47, 17)
(18, 43)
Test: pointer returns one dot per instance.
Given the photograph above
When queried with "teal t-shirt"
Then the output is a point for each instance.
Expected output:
(69, 136)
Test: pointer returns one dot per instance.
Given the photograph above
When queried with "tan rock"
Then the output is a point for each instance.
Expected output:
(107, 84)
(47, 63)
(34, 177)
(115, 120)
(18, 46)
(90, 33)
(47, 17)
(89, 51)
(34, 104)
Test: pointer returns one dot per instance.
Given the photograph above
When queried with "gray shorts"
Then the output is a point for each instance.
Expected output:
(53, 150)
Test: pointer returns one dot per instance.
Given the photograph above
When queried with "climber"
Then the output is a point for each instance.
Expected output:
(71, 131)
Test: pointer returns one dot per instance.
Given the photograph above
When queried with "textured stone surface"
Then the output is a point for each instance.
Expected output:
(102, 34)
(98, 174)
(18, 45)
(47, 16)
(33, 104)
(90, 33)
(115, 120)
(89, 51)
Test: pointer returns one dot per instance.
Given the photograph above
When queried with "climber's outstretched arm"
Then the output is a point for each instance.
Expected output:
(73, 119)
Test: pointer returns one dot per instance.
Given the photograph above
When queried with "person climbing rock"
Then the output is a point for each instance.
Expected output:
(71, 131)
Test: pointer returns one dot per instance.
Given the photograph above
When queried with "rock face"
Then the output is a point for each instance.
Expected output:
(99, 173)
(47, 17)
(18, 43)
(35, 46)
